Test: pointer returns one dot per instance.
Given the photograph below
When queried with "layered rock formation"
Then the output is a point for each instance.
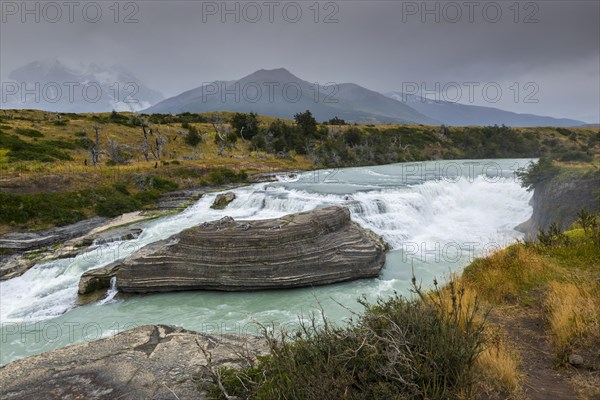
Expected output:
(97, 279)
(149, 362)
(314, 248)
(34, 240)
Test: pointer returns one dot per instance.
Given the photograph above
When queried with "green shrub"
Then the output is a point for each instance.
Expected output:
(32, 133)
(537, 173)
(224, 176)
(41, 208)
(147, 196)
(45, 151)
(421, 348)
(193, 137)
(113, 203)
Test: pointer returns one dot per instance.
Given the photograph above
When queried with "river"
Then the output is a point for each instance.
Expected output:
(436, 216)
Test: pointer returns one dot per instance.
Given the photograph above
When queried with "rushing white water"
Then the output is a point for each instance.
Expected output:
(436, 216)
(111, 293)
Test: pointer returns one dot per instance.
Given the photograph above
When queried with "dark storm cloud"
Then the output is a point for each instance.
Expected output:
(175, 45)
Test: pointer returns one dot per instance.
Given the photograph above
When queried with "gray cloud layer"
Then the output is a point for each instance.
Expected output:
(378, 44)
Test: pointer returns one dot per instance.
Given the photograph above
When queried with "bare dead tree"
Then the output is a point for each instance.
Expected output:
(159, 143)
(145, 144)
(221, 131)
(95, 146)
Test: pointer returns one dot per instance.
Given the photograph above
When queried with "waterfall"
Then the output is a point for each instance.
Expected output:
(111, 293)
(415, 215)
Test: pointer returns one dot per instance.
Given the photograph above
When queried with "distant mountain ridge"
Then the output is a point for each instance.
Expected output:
(457, 114)
(52, 86)
(281, 94)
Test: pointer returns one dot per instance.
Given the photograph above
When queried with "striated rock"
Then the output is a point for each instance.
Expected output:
(115, 235)
(222, 200)
(149, 362)
(35, 240)
(313, 248)
(178, 199)
(97, 279)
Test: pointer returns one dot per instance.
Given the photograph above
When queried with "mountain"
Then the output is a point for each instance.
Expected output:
(457, 114)
(281, 94)
(52, 86)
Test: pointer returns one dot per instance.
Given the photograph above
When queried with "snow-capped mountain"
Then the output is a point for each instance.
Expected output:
(53, 86)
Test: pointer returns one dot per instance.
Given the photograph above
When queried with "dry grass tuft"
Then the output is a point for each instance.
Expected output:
(573, 313)
(498, 364)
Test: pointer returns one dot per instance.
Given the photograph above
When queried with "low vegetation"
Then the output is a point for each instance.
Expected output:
(400, 348)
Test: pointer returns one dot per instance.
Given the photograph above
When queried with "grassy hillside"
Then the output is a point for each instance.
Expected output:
(139, 157)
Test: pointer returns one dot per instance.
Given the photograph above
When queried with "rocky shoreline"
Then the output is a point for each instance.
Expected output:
(148, 362)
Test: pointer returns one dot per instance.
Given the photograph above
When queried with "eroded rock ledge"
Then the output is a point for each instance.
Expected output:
(313, 248)
(149, 362)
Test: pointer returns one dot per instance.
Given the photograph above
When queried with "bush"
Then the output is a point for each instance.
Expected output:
(45, 151)
(398, 349)
(246, 124)
(32, 133)
(41, 208)
(537, 173)
(224, 176)
(193, 137)
(114, 203)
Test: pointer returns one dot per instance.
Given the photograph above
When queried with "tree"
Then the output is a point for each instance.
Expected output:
(222, 132)
(537, 173)
(95, 146)
(145, 147)
(118, 154)
(336, 121)
(307, 123)
(245, 125)
(353, 137)
(159, 143)
(193, 137)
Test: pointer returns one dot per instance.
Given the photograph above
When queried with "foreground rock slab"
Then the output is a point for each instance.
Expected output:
(149, 362)
(313, 248)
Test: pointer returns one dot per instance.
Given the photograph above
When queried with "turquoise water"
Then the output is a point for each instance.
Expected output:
(435, 215)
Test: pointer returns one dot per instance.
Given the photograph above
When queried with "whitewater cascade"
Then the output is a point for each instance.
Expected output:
(436, 216)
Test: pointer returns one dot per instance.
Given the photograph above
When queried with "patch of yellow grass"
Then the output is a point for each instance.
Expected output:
(507, 275)
(498, 364)
(573, 313)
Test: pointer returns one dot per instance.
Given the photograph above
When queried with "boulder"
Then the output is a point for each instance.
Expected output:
(118, 234)
(222, 200)
(148, 362)
(314, 248)
(97, 279)
(575, 359)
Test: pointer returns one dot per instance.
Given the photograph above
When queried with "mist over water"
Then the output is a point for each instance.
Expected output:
(436, 216)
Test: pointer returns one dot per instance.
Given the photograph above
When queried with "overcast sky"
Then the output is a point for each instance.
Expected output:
(549, 50)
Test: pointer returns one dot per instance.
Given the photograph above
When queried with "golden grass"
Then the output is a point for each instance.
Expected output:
(507, 275)
(498, 364)
(573, 313)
